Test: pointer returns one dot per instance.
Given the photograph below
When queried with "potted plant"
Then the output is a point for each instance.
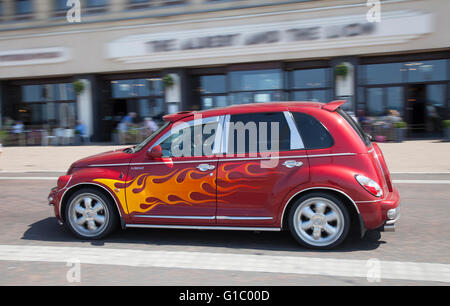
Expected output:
(446, 126)
(400, 131)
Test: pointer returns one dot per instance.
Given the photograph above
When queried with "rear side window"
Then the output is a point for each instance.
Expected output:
(354, 125)
(314, 134)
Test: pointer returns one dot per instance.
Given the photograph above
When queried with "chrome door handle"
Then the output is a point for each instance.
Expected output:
(205, 167)
(292, 164)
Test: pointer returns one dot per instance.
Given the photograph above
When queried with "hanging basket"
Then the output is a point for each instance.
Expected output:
(341, 70)
(78, 87)
(168, 81)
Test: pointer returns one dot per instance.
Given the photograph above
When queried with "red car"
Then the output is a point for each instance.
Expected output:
(301, 166)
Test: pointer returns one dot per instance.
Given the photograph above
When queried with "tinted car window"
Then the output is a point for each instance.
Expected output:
(354, 125)
(314, 134)
(199, 141)
(259, 140)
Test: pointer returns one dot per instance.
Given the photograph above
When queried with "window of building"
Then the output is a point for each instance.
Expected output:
(392, 73)
(60, 8)
(255, 86)
(53, 104)
(395, 99)
(213, 91)
(314, 134)
(23, 9)
(426, 71)
(310, 85)
(96, 6)
(142, 96)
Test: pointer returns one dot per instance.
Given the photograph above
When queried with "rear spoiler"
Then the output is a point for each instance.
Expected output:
(332, 106)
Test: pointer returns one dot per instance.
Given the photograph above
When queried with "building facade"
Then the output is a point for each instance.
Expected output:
(126, 53)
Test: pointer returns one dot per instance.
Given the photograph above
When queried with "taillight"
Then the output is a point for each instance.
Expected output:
(384, 168)
(370, 185)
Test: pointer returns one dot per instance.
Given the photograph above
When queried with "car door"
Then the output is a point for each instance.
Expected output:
(251, 187)
(179, 187)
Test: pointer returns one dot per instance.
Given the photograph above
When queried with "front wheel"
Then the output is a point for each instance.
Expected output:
(319, 220)
(90, 214)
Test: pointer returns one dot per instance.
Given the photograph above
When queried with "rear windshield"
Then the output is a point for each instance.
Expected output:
(355, 126)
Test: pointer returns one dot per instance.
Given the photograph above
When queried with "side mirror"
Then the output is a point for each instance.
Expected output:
(155, 152)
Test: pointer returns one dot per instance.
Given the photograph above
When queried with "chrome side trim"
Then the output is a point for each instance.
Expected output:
(220, 228)
(313, 188)
(176, 217)
(331, 155)
(88, 183)
(243, 218)
(226, 159)
(203, 217)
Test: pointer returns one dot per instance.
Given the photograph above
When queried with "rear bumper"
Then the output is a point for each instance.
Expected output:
(381, 214)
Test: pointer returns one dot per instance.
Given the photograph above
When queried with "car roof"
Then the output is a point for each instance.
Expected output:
(244, 108)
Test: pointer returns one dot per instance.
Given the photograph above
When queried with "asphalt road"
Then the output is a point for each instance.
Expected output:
(35, 250)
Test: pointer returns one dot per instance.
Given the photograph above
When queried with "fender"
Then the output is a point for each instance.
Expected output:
(88, 176)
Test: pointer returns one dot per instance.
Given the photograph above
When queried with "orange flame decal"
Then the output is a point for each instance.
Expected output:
(185, 186)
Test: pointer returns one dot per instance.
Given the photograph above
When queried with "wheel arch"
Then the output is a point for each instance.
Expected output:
(351, 206)
(72, 189)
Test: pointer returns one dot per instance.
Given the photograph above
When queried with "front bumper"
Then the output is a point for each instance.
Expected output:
(54, 199)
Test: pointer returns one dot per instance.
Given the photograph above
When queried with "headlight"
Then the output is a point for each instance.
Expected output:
(370, 185)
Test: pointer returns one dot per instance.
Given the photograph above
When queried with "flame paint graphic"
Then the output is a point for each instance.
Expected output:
(185, 186)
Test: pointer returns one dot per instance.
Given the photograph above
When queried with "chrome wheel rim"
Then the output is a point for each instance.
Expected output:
(319, 221)
(88, 215)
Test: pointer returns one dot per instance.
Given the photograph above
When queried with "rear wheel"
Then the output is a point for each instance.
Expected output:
(90, 214)
(319, 220)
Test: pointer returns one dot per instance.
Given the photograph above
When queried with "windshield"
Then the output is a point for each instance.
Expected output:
(139, 147)
(364, 137)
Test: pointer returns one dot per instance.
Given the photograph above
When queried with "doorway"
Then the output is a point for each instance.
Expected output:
(416, 109)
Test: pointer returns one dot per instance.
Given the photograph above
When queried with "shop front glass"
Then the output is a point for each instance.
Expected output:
(310, 85)
(255, 86)
(48, 104)
(141, 96)
(415, 90)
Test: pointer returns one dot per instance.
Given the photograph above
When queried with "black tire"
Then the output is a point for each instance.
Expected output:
(319, 236)
(108, 213)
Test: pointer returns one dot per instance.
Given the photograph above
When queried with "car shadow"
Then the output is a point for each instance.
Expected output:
(48, 230)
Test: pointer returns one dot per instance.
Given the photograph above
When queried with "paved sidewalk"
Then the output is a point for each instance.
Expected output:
(428, 156)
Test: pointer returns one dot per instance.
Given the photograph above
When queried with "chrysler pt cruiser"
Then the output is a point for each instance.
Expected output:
(319, 177)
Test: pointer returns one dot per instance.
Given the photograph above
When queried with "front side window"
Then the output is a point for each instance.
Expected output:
(190, 139)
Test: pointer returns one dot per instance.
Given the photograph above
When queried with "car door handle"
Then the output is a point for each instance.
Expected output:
(205, 167)
(292, 164)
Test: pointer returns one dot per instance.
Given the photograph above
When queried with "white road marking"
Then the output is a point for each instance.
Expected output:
(421, 181)
(228, 262)
(35, 178)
